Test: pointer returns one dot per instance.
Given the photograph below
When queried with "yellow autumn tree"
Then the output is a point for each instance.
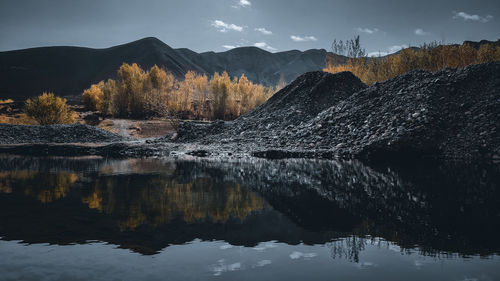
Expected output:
(245, 94)
(130, 100)
(200, 96)
(219, 88)
(93, 97)
(156, 90)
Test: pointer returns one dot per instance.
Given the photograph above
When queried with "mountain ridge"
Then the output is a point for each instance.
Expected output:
(68, 70)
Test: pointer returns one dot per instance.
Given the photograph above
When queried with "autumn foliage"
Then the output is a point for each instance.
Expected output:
(430, 57)
(140, 93)
(48, 109)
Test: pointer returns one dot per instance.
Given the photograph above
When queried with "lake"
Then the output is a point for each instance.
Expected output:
(250, 219)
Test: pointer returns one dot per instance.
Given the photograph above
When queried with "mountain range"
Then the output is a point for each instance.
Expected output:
(67, 71)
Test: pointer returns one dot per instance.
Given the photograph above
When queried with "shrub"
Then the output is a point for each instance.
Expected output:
(48, 109)
(486, 53)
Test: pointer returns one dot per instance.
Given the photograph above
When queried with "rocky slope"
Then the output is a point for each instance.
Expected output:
(448, 114)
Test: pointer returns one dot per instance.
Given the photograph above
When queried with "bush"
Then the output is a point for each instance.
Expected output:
(48, 109)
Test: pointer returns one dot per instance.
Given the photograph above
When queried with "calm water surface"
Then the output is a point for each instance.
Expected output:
(102, 219)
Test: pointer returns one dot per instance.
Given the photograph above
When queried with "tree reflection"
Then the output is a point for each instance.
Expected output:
(347, 248)
(45, 187)
(137, 200)
(157, 201)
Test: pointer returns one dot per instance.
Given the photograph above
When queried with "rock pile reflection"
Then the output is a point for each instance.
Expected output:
(148, 204)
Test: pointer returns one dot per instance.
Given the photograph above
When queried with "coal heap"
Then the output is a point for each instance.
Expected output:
(452, 113)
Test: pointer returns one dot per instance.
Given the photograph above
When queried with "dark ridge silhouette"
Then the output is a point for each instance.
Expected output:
(473, 44)
(69, 70)
(478, 45)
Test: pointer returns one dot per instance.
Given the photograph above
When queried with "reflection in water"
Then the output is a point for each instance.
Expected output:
(155, 200)
(147, 205)
(348, 248)
(44, 187)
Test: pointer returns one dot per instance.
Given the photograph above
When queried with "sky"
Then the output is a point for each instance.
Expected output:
(275, 25)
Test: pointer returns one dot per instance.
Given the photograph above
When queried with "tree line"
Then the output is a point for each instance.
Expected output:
(432, 57)
(138, 93)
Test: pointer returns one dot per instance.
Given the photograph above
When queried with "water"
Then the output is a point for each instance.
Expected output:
(101, 219)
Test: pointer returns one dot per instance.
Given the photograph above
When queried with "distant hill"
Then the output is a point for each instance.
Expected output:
(69, 70)
(477, 45)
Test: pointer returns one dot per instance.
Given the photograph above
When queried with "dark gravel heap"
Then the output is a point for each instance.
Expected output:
(449, 113)
(453, 113)
(75, 133)
(300, 101)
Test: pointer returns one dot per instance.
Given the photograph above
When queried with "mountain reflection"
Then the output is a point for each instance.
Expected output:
(146, 205)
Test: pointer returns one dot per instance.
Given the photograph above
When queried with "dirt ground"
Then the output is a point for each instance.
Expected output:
(11, 113)
(137, 128)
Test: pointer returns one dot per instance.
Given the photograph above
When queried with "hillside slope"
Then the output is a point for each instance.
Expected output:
(69, 70)
(259, 65)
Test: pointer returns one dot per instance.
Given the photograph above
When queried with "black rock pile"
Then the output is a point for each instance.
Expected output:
(447, 114)
(75, 133)
(294, 105)
(450, 114)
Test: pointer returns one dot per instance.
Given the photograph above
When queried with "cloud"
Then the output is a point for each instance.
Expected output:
(377, 54)
(264, 31)
(222, 267)
(263, 263)
(264, 45)
(397, 48)
(262, 247)
(297, 255)
(467, 17)
(242, 3)
(229, 47)
(390, 50)
(367, 30)
(227, 246)
(225, 27)
(303, 39)
(421, 32)
(365, 264)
